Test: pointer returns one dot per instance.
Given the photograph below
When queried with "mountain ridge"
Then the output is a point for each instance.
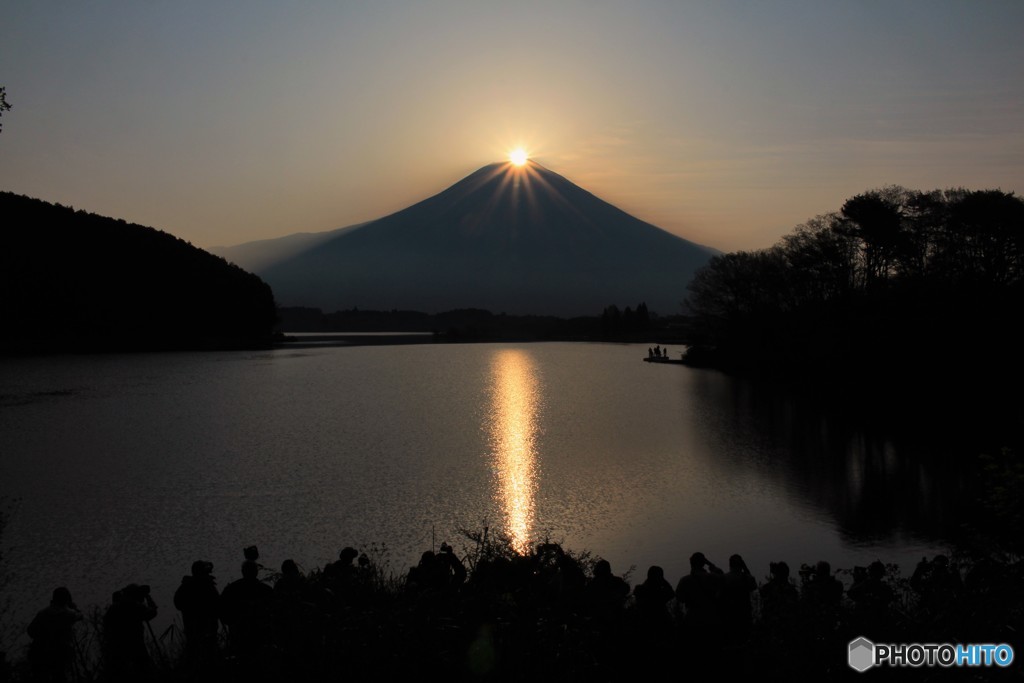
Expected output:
(507, 239)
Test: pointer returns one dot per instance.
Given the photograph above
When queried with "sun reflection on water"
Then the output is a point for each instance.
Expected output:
(515, 404)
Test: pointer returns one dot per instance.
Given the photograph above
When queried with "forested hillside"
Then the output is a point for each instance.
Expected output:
(72, 280)
(898, 286)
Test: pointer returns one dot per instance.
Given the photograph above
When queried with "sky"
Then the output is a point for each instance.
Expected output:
(727, 123)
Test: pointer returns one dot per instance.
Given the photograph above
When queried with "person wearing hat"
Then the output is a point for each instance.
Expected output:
(246, 607)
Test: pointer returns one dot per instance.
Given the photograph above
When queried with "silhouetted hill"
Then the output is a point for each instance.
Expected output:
(505, 239)
(72, 280)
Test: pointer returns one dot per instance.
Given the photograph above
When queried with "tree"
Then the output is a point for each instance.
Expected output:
(876, 219)
(740, 284)
(822, 260)
(873, 287)
(987, 236)
(4, 104)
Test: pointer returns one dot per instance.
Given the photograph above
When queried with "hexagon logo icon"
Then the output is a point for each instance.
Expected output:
(861, 654)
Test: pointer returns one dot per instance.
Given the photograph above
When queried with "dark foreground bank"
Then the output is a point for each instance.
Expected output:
(490, 613)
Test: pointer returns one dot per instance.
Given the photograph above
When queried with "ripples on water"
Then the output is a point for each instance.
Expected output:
(128, 468)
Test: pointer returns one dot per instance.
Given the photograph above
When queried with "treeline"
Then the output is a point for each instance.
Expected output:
(899, 284)
(473, 324)
(76, 281)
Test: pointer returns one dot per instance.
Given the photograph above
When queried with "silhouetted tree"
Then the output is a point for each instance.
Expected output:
(985, 238)
(871, 287)
(4, 104)
(643, 317)
(821, 259)
(875, 218)
(611, 320)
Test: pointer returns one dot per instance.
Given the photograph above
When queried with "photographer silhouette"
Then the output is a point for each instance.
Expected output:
(124, 646)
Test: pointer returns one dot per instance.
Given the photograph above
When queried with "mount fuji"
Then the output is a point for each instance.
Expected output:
(519, 240)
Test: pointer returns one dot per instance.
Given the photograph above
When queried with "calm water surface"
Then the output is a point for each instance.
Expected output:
(127, 468)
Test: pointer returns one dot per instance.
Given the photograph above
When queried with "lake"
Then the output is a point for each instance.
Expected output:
(129, 467)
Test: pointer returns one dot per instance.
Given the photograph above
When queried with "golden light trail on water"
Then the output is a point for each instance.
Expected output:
(515, 404)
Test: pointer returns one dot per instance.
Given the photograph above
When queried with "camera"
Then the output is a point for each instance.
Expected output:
(132, 592)
(202, 567)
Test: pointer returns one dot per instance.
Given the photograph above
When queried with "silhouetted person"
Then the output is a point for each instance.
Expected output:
(939, 588)
(435, 572)
(652, 625)
(779, 600)
(426, 575)
(560, 578)
(652, 597)
(246, 606)
(198, 601)
(343, 569)
(700, 592)
(454, 570)
(343, 578)
(126, 657)
(822, 593)
(604, 597)
(291, 586)
(364, 571)
(737, 588)
(937, 584)
(871, 596)
(434, 583)
(606, 593)
(298, 619)
(252, 554)
(52, 632)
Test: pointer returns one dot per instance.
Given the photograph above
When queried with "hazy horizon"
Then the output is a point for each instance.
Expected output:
(725, 123)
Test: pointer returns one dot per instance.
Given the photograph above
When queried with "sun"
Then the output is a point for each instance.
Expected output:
(518, 157)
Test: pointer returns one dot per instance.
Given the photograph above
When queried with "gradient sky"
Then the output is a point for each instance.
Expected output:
(728, 123)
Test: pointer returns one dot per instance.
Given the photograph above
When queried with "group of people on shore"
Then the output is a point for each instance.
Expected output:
(657, 353)
(332, 617)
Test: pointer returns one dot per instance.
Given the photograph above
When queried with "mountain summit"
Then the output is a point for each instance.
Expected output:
(520, 240)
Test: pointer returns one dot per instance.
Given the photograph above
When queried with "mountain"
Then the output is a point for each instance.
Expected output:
(259, 254)
(505, 238)
(75, 281)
